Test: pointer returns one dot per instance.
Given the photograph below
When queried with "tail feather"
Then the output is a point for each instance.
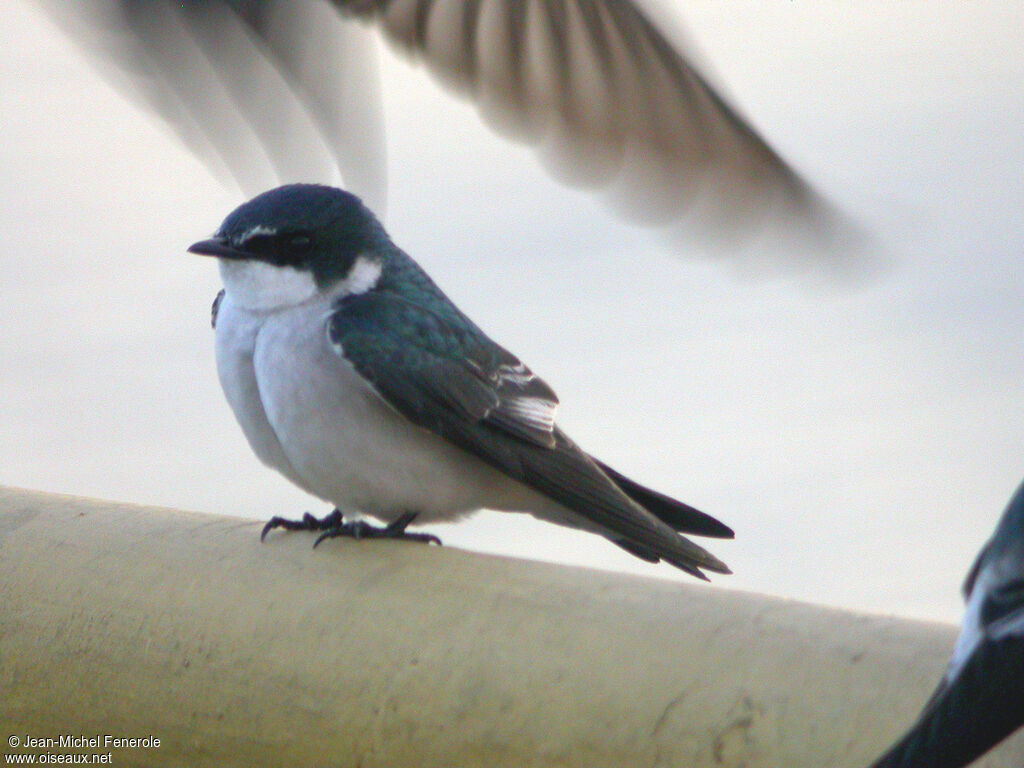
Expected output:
(679, 516)
(639, 550)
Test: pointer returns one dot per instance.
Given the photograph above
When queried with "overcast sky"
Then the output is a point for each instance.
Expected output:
(862, 439)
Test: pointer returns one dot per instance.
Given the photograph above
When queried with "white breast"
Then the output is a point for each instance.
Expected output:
(235, 340)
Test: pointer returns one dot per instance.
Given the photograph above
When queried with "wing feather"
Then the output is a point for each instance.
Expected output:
(612, 102)
(445, 375)
(269, 91)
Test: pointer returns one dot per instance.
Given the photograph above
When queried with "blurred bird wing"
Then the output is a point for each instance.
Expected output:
(611, 103)
(269, 92)
(262, 92)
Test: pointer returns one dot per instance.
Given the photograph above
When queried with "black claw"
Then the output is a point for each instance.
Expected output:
(307, 523)
(396, 530)
(424, 538)
(334, 526)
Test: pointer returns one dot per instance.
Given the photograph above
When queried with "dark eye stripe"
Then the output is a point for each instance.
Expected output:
(261, 243)
(279, 249)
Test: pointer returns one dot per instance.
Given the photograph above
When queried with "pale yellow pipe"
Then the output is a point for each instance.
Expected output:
(133, 621)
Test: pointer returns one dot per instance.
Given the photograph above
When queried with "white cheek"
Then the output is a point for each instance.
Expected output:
(362, 277)
(260, 286)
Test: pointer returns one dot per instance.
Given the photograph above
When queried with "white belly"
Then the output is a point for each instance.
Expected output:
(308, 414)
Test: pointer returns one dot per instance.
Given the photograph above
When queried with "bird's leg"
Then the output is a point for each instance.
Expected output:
(359, 529)
(333, 525)
(307, 523)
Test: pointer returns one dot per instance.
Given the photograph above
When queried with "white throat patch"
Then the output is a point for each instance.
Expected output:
(256, 285)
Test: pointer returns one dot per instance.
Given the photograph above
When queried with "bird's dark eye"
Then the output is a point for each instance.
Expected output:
(279, 248)
(261, 244)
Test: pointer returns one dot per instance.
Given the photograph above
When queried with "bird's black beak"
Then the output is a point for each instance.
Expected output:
(217, 246)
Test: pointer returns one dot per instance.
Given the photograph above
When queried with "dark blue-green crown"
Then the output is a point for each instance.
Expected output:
(305, 226)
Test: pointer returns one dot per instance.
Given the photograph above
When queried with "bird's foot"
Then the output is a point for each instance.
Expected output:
(307, 523)
(359, 529)
(333, 526)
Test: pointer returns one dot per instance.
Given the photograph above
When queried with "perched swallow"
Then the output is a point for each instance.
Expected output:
(270, 91)
(353, 375)
(980, 701)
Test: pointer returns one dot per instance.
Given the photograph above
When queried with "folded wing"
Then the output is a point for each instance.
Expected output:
(443, 374)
